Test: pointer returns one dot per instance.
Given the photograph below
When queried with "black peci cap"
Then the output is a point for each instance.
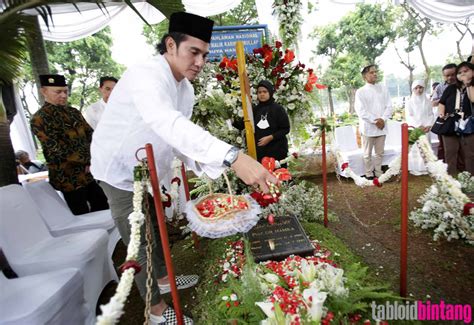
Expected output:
(192, 25)
(53, 80)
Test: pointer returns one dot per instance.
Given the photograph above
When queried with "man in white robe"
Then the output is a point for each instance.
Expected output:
(373, 106)
(152, 103)
(94, 112)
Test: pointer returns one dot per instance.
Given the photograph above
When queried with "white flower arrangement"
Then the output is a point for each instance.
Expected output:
(112, 311)
(467, 182)
(293, 84)
(320, 280)
(444, 202)
(290, 19)
(302, 200)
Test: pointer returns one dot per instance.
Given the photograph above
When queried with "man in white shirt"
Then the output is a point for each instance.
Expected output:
(372, 104)
(94, 112)
(152, 103)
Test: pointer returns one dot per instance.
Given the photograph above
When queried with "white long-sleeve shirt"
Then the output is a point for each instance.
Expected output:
(148, 105)
(94, 112)
(372, 102)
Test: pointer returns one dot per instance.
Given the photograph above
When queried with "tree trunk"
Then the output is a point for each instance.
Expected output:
(352, 93)
(331, 102)
(407, 65)
(410, 80)
(38, 57)
(423, 58)
(7, 157)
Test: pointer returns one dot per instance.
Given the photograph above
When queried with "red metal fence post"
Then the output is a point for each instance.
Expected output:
(404, 213)
(163, 232)
(324, 171)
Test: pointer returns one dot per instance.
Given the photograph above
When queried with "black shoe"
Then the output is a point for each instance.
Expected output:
(370, 178)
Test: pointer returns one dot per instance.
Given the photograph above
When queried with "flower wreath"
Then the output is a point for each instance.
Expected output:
(112, 311)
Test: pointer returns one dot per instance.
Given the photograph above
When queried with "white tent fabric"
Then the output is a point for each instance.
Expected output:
(446, 11)
(70, 25)
(266, 17)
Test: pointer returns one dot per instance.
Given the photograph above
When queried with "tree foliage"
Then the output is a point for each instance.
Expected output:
(463, 29)
(243, 14)
(83, 62)
(412, 30)
(367, 31)
(358, 39)
(14, 48)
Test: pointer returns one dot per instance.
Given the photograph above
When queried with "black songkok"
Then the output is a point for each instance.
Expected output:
(53, 80)
(192, 25)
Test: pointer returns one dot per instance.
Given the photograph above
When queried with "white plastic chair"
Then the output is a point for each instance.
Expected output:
(393, 142)
(30, 248)
(60, 220)
(347, 143)
(48, 298)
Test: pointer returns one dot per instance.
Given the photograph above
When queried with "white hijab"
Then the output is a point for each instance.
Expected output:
(418, 111)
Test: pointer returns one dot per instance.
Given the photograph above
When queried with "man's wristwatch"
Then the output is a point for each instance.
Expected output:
(231, 156)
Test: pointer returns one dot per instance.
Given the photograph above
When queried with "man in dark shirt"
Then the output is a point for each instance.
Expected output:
(65, 138)
(449, 76)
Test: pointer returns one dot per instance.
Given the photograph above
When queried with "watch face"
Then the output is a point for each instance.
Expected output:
(231, 156)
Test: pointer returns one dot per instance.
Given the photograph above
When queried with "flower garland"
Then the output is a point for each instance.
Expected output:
(438, 170)
(176, 181)
(290, 19)
(112, 311)
(393, 170)
(445, 207)
(174, 193)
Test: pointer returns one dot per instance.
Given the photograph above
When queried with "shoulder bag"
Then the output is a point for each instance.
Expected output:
(466, 127)
(446, 125)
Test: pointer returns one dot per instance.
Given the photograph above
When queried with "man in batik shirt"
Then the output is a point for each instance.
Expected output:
(65, 138)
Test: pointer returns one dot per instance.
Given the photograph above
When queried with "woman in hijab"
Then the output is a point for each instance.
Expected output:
(419, 114)
(271, 124)
(418, 110)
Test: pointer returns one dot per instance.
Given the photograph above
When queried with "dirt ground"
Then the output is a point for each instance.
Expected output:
(370, 226)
